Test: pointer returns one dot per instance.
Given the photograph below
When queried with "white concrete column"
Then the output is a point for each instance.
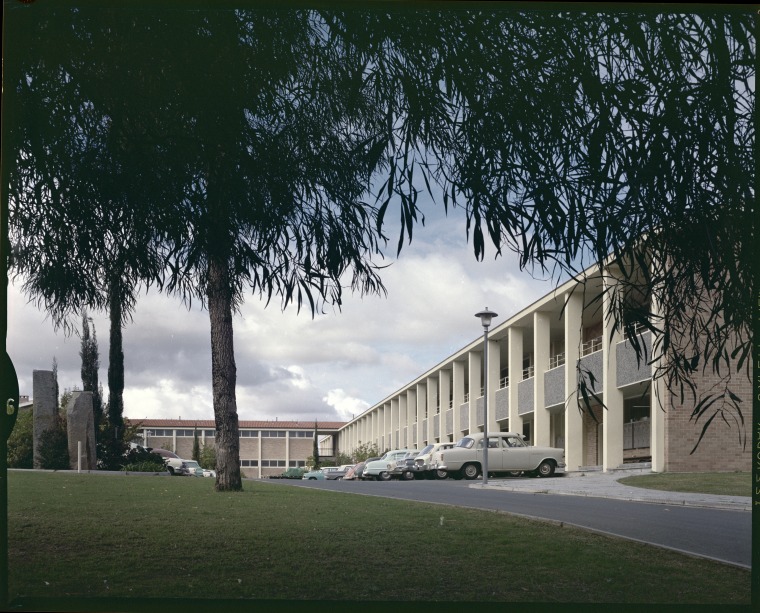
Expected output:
(574, 443)
(395, 421)
(411, 416)
(432, 408)
(494, 369)
(402, 419)
(474, 376)
(541, 351)
(612, 424)
(657, 401)
(515, 336)
(421, 410)
(458, 388)
(261, 452)
(444, 392)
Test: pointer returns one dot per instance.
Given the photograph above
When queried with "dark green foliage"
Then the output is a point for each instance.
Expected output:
(53, 447)
(90, 357)
(110, 449)
(21, 441)
(207, 457)
(315, 449)
(145, 467)
(196, 447)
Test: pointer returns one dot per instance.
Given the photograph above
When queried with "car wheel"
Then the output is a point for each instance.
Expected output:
(440, 474)
(514, 473)
(171, 470)
(384, 476)
(470, 471)
(545, 469)
(407, 475)
(312, 478)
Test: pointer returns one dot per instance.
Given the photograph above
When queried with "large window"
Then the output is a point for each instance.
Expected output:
(249, 463)
(160, 432)
(249, 434)
(301, 434)
(273, 463)
(209, 433)
(273, 434)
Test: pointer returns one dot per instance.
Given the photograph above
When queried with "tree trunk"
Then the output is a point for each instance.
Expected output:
(115, 360)
(223, 378)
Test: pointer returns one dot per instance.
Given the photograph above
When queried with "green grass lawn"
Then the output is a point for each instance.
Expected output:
(727, 484)
(76, 536)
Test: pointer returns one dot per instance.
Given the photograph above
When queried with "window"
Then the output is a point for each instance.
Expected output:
(301, 434)
(273, 463)
(273, 434)
(186, 433)
(465, 442)
(297, 463)
(160, 432)
(249, 434)
(209, 433)
(249, 463)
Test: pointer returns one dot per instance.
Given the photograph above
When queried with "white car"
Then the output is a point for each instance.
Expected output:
(381, 469)
(426, 463)
(191, 468)
(507, 453)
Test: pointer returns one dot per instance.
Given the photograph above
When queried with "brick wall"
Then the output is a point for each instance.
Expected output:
(721, 448)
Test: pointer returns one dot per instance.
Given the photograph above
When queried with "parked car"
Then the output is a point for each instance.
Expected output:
(404, 467)
(191, 468)
(208, 472)
(172, 461)
(381, 469)
(336, 473)
(314, 475)
(424, 465)
(354, 472)
(358, 469)
(294, 472)
(507, 453)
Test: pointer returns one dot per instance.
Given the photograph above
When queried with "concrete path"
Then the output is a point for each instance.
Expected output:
(605, 485)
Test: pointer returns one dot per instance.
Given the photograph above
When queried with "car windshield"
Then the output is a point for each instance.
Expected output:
(466, 442)
(425, 450)
(192, 464)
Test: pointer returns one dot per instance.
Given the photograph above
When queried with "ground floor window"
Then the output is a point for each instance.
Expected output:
(249, 463)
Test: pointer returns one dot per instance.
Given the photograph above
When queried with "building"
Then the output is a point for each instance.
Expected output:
(267, 448)
(533, 388)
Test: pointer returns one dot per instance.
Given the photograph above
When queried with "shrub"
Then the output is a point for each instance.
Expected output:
(21, 441)
(208, 457)
(53, 447)
(145, 467)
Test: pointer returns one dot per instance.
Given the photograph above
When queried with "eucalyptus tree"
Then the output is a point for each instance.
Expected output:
(82, 194)
(634, 144)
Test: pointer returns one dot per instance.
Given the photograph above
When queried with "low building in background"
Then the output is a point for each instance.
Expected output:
(267, 448)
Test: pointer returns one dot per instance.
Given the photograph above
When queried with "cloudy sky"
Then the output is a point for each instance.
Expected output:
(290, 366)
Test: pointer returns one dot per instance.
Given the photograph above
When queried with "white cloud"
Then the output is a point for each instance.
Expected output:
(346, 406)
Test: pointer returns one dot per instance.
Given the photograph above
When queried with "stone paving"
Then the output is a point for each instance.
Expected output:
(605, 485)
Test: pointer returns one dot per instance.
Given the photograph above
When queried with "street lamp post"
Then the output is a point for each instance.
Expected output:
(485, 318)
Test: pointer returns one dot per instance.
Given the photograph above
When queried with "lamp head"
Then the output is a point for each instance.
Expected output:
(485, 317)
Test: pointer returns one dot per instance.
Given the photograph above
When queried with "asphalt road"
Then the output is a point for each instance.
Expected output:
(718, 534)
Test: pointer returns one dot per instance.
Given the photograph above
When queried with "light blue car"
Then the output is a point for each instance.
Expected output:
(314, 475)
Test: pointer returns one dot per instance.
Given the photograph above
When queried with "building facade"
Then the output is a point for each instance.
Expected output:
(267, 448)
(535, 361)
